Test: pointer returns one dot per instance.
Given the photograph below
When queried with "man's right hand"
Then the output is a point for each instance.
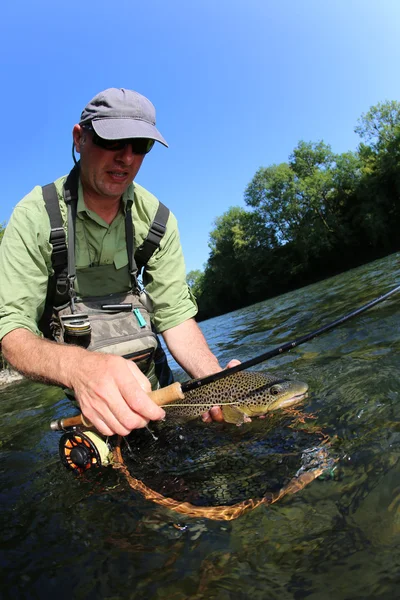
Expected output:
(112, 394)
(111, 391)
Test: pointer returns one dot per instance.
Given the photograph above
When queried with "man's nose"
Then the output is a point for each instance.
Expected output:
(126, 154)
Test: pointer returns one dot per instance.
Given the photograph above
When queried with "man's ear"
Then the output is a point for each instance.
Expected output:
(77, 134)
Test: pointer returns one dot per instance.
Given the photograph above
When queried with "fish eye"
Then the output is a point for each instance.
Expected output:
(275, 389)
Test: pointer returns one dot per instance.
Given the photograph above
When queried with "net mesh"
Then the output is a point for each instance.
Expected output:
(221, 471)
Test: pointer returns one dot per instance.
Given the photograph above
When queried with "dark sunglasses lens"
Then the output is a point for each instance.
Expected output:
(108, 144)
(141, 145)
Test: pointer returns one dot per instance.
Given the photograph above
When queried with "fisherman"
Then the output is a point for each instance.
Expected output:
(104, 363)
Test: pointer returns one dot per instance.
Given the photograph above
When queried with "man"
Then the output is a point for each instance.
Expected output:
(116, 130)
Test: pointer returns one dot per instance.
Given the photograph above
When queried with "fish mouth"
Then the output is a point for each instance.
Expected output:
(297, 398)
(282, 403)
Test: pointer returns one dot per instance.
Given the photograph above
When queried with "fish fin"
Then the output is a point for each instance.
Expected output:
(232, 414)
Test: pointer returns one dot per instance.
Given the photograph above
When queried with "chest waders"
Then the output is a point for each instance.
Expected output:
(117, 322)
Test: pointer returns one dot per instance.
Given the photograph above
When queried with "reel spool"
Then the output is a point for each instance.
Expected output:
(79, 451)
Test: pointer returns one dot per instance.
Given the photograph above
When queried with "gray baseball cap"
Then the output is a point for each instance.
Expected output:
(118, 114)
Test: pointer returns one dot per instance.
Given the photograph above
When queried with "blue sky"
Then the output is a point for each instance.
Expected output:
(236, 85)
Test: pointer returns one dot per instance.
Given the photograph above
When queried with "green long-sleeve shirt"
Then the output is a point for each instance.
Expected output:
(25, 258)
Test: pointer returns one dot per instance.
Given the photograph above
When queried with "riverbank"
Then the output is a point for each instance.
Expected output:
(9, 376)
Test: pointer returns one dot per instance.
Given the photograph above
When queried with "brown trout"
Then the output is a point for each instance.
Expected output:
(240, 396)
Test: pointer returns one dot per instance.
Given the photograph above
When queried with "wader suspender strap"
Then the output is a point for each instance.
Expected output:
(71, 200)
(57, 235)
(152, 241)
(130, 236)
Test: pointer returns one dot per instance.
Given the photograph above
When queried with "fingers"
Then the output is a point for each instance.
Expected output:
(139, 376)
(108, 424)
(136, 397)
(206, 417)
(233, 363)
(214, 414)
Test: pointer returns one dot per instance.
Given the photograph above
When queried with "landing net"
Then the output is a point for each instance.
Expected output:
(219, 471)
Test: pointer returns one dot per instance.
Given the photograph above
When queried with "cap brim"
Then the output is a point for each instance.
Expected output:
(120, 129)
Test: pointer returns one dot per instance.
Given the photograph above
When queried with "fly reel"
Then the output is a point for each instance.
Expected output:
(79, 451)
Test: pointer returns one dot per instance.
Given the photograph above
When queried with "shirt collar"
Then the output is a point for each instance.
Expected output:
(127, 199)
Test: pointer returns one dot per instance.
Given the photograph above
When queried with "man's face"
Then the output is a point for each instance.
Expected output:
(105, 173)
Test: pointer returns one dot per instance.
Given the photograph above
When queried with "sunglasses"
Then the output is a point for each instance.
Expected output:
(139, 145)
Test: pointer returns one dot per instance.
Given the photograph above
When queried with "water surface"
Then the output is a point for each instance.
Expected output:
(94, 537)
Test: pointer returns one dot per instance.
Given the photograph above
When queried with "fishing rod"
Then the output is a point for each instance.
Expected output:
(176, 391)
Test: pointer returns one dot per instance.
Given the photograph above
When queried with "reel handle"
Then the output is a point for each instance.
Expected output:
(161, 397)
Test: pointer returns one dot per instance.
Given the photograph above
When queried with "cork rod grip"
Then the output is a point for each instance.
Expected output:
(161, 397)
(167, 394)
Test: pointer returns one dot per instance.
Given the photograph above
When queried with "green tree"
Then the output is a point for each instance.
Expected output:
(314, 165)
(377, 212)
(380, 125)
(327, 185)
(227, 271)
(272, 194)
(195, 279)
(298, 200)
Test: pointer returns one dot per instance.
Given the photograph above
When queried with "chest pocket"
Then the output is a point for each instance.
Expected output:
(121, 259)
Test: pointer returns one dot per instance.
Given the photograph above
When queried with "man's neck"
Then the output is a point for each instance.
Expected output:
(106, 208)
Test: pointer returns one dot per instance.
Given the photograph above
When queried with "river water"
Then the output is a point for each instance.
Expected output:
(93, 537)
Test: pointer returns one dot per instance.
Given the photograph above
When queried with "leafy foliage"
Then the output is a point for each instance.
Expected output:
(380, 125)
(195, 281)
